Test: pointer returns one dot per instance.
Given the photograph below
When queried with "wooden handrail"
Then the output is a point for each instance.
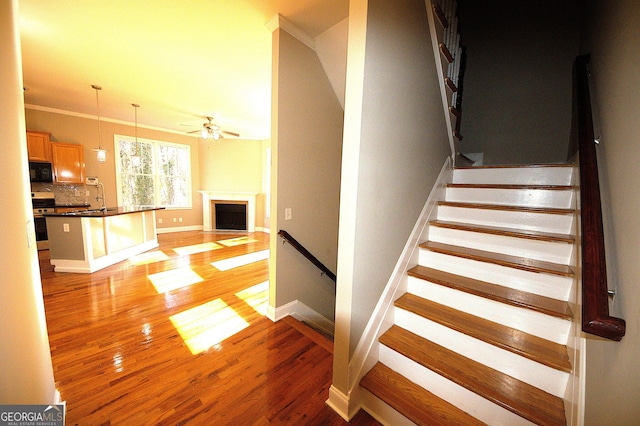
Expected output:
(595, 304)
(288, 238)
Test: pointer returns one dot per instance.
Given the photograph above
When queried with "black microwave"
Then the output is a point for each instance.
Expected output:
(40, 172)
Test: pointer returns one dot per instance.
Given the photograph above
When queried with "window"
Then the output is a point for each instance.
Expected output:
(152, 173)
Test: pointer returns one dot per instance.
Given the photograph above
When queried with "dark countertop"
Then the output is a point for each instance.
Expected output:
(110, 211)
(66, 206)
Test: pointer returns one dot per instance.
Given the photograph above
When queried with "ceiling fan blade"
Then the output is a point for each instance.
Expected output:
(237, 135)
(195, 131)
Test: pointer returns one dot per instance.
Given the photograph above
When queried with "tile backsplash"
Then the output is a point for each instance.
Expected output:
(69, 195)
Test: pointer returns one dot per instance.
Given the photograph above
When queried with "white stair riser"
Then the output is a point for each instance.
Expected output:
(532, 322)
(554, 286)
(381, 411)
(515, 176)
(543, 222)
(556, 252)
(455, 394)
(541, 376)
(546, 198)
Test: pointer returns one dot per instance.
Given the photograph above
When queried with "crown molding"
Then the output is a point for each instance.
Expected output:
(279, 21)
(95, 117)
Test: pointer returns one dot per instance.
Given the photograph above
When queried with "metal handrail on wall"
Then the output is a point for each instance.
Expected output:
(288, 238)
(595, 294)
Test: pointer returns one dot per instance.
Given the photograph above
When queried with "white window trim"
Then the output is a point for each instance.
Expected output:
(155, 144)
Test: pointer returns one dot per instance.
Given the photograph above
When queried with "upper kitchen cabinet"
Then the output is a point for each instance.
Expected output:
(68, 162)
(38, 146)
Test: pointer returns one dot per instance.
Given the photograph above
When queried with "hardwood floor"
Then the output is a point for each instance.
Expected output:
(133, 346)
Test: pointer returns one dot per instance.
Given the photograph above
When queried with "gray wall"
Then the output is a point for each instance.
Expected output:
(306, 157)
(516, 104)
(401, 149)
(613, 370)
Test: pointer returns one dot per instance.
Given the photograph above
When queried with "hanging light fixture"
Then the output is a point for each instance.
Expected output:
(210, 130)
(101, 153)
(135, 156)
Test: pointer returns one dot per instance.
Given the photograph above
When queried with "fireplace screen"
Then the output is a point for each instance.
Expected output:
(231, 216)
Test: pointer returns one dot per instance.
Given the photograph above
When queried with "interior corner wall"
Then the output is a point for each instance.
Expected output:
(307, 144)
(613, 371)
(517, 93)
(26, 371)
(402, 147)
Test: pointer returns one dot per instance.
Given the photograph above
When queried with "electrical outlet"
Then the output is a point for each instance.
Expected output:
(87, 193)
(77, 192)
(174, 219)
(179, 219)
(287, 213)
(160, 220)
(65, 227)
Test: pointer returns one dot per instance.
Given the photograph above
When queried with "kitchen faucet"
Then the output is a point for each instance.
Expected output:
(100, 197)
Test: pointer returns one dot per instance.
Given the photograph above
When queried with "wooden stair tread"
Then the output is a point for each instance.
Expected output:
(514, 395)
(510, 296)
(507, 232)
(508, 261)
(437, 11)
(532, 347)
(507, 208)
(450, 84)
(517, 166)
(414, 402)
(510, 186)
(445, 52)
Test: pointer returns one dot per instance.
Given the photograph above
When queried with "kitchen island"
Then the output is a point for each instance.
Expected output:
(86, 241)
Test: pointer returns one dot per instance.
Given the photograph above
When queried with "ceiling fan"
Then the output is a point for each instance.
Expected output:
(213, 131)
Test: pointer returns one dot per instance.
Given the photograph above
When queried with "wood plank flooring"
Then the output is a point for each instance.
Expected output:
(126, 341)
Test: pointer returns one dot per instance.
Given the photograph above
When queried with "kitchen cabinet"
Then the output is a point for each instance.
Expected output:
(68, 162)
(38, 146)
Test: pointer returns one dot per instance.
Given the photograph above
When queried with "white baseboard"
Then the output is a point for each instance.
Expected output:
(178, 229)
(168, 230)
(339, 402)
(302, 313)
(92, 265)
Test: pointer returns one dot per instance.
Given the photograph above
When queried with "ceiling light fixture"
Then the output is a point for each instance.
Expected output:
(210, 130)
(101, 153)
(135, 156)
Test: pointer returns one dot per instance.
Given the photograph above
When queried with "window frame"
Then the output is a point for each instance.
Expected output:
(156, 167)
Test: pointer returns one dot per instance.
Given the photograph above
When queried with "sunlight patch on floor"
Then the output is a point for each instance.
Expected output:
(245, 259)
(196, 248)
(207, 325)
(236, 241)
(174, 279)
(149, 257)
(257, 297)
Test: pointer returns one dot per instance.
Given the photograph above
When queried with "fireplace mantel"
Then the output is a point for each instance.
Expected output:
(209, 196)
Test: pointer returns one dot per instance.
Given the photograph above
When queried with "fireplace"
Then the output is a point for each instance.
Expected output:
(211, 199)
(231, 216)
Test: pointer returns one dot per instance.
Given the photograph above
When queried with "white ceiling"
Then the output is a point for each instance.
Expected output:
(179, 60)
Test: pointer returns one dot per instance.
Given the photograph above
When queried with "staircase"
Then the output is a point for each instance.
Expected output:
(480, 336)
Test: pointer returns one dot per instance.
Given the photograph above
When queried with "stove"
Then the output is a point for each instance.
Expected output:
(42, 202)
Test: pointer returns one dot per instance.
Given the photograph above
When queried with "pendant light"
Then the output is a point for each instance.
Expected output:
(135, 156)
(101, 153)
